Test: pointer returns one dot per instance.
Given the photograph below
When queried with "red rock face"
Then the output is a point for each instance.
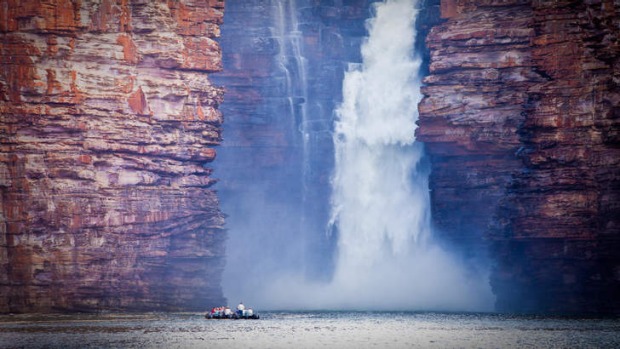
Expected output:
(521, 121)
(108, 127)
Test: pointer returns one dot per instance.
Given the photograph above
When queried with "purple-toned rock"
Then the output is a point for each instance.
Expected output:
(520, 117)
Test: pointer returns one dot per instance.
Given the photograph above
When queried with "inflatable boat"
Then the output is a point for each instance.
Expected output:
(226, 313)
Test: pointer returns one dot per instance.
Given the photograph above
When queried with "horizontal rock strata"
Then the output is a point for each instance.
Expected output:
(109, 124)
(521, 122)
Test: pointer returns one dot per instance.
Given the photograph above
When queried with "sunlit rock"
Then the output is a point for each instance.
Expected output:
(108, 127)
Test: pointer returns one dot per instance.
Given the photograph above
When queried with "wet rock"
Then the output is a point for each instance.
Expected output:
(519, 118)
(278, 148)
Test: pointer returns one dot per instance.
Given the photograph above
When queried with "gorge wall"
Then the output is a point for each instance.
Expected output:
(284, 63)
(110, 119)
(521, 117)
(108, 127)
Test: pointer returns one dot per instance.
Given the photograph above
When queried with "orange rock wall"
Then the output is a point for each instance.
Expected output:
(521, 119)
(109, 124)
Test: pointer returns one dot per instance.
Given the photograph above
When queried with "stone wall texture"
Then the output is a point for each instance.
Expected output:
(521, 118)
(109, 124)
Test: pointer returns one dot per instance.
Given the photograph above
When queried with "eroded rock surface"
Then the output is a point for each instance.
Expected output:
(521, 119)
(108, 129)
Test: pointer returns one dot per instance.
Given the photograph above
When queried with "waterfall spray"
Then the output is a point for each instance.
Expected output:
(380, 205)
(377, 208)
(293, 63)
(380, 201)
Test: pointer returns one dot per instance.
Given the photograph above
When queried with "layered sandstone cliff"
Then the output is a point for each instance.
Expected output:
(521, 119)
(108, 127)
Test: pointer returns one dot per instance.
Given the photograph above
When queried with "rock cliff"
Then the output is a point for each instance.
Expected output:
(521, 119)
(284, 62)
(109, 124)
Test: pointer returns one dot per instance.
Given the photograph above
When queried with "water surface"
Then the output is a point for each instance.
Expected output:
(307, 330)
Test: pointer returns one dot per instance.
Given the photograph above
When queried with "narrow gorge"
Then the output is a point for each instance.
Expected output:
(113, 111)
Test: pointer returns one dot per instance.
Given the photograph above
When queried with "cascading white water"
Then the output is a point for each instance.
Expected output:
(291, 60)
(378, 209)
(294, 65)
(380, 199)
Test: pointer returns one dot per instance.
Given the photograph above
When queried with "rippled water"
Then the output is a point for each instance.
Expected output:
(307, 330)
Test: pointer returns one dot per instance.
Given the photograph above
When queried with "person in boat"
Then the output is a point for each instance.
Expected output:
(240, 308)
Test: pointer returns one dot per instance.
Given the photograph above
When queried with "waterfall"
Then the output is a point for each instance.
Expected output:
(310, 134)
(293, 63)
(378, 209)
(387, 257)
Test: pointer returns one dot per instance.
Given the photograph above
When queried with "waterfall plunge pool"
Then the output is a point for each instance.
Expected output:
(315, 329)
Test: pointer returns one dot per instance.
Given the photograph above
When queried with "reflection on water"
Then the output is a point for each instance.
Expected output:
(307, 330)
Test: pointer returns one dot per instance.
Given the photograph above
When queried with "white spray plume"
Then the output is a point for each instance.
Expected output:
(377, 208)
(380, 201)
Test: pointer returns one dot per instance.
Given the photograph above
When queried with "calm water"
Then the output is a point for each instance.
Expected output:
(307, 330)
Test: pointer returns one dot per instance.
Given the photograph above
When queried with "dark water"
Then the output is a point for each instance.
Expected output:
(307, 330)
